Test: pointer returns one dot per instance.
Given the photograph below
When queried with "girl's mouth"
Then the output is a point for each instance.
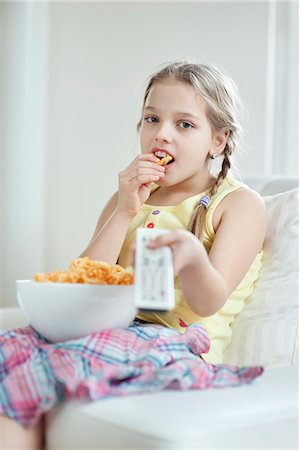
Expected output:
(165, 158)
(168, 165)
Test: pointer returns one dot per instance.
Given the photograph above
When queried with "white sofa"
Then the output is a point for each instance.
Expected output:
(262, 415)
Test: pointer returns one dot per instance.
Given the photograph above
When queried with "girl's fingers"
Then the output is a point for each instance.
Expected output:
(148, 169)
(144, 159)
(143, 176)
(166, 239)
(144, 170)
(145, 166)
(148, 157)
(144, 179)
(133, 172)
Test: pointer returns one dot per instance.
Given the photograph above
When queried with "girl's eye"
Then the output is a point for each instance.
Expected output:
(186, 125)
(150, 119)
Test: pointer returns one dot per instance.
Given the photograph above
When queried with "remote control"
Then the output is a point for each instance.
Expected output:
(154, 281)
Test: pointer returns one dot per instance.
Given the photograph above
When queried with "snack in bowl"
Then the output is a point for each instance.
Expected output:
(88, 297)
(85, 270)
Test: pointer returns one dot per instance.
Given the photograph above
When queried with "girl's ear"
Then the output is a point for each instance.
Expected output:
(219, 142)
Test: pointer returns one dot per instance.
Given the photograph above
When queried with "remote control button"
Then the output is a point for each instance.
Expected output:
(156, 212)
(150, 225)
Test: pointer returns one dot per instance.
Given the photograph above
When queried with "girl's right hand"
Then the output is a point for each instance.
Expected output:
(135, 181)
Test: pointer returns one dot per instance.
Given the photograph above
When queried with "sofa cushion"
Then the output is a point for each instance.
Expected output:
(250, 416)
(12, 318)
(266, 330)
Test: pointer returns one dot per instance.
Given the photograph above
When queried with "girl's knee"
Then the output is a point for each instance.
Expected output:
(13, 435)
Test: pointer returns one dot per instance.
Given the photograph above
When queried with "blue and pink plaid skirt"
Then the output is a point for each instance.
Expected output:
(36, 375)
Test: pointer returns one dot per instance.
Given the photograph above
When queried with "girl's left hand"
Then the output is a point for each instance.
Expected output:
(187, 250)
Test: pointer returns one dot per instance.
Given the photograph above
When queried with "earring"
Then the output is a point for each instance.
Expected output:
(213, 156)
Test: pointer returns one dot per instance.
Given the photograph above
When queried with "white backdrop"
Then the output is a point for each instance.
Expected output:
(71, 83)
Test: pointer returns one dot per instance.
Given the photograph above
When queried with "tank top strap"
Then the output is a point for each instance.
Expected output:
(228, 185)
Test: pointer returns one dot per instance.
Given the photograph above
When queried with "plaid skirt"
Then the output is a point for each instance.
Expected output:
(36, 375)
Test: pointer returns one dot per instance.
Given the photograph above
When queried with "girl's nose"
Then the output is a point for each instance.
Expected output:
(164, 133)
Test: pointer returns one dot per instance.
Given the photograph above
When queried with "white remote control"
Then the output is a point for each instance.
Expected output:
(154, 282)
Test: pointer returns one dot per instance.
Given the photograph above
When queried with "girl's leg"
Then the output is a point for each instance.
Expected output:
(13, 436)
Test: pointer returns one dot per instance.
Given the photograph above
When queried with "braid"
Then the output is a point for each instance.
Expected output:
(226, 164)
(198, 218)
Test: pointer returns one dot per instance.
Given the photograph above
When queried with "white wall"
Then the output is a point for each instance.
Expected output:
(23, 89)
(72, 84)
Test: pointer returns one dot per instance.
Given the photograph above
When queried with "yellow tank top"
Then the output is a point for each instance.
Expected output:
(177, 217)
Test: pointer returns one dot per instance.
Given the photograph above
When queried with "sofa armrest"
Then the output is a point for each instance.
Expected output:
(12, 318)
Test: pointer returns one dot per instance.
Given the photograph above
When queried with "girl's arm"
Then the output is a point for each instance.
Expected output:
(207, 280)
(109, 234)
(134, 190)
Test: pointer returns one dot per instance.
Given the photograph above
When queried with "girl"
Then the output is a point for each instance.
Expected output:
(217, 224)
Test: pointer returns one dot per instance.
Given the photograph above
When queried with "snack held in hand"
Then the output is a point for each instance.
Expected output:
(164, 159)
(84, 270)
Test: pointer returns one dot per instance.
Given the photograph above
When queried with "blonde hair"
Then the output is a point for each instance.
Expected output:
(221, 96)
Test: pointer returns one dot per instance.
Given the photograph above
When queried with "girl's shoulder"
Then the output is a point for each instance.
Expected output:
(235, 192)
(234, 199)
(243, 198)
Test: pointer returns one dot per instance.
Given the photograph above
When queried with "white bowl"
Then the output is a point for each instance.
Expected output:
(64, 311)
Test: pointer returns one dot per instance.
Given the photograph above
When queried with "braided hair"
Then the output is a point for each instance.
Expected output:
(220, 95)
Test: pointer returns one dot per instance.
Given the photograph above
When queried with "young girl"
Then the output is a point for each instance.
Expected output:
(217, 224)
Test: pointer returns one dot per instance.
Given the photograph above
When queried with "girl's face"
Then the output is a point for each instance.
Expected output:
(174, 121)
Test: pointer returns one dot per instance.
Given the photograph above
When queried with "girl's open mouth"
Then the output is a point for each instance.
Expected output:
(165, 158)
(169, 164)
